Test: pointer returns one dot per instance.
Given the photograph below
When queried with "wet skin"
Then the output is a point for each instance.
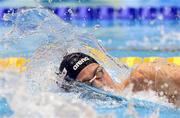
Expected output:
(88, 73)
(160, 76)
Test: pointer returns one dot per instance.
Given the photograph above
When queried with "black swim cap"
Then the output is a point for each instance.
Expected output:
(75, 62)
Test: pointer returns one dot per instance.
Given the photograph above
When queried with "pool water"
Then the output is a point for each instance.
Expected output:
(38, 37)
(144, 41)
(154, 30)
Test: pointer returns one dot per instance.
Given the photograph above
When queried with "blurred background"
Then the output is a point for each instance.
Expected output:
(125, 27)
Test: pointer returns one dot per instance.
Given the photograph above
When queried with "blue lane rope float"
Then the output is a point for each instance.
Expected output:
(148, 13)
(126, 13)
(106, 13)
(1, 12)
(4, 11)
(109, 13)
(170, 12)
(10, 10)
(84, 13)
(63, 13)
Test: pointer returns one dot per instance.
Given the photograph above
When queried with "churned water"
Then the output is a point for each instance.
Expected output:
(35, 92)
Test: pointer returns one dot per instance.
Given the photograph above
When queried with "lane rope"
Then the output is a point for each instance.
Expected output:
(20, 63)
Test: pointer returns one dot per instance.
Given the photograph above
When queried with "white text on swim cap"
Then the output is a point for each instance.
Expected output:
(80, 62)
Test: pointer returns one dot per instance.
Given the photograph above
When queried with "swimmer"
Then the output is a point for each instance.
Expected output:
(160, 76)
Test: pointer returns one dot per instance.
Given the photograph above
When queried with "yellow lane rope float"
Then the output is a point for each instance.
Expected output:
(175, 60)
(13, 62)
(150, 59)
(131, 61)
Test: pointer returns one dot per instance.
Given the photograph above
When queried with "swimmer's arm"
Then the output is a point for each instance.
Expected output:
(121, 86)
(138, 76)
(160, 76)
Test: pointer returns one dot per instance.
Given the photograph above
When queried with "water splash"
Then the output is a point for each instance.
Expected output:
(37, 87)
(167, 40)
(53, 41)
(42, 105)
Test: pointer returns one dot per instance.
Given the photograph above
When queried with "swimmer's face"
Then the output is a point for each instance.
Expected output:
(91, 74)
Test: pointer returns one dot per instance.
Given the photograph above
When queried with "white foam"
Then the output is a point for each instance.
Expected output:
(43, 98)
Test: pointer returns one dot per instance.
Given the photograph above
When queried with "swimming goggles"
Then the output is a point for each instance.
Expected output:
(98, 74)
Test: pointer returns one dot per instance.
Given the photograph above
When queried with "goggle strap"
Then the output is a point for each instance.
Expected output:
(92, 79)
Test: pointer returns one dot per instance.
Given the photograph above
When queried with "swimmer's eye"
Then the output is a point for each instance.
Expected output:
(98, 74)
